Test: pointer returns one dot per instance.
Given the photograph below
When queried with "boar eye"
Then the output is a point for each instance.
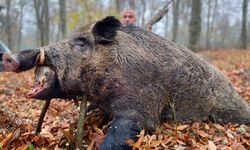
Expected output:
(79, 43)
(46, 74)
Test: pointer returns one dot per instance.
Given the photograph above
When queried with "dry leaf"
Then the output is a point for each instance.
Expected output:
(67, 133)
(168, 140)
(23, 147)
(91, 145)
(211, 146)
(237, 146)
(7, 140)
(11, 137)
(139, 141)
(164, 145)
(181, 142)
(155, 143)
(206, 127)
(196, 125)
(182, 127)
(97, 138)
(203, 134)
(98, 131)
(152, 138)
(130, 142)
(219, 127)
(57, 148)
(229, 134)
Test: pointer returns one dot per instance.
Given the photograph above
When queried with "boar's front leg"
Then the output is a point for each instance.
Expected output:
(127, 123)
(120, 131)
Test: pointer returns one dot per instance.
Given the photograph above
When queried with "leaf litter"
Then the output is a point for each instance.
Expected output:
(19, 116)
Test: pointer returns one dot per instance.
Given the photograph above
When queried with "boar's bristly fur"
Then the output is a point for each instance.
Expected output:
(141, 79)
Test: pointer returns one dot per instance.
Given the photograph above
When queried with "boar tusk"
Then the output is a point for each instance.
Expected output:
(42, 56)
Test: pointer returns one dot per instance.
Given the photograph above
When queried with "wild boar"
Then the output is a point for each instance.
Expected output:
(137, 77)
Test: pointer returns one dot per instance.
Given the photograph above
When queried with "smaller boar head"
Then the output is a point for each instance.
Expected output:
(61, 67)
(46, 84)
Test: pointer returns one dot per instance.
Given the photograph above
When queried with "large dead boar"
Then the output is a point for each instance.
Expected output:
(137, 77)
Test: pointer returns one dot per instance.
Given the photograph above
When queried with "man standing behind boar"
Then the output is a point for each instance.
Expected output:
(128, 17)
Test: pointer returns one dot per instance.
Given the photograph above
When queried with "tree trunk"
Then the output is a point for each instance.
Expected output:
(195, 25)
(175, 19)
(143, 12)
(132, 4)
(63, 21)
(8, 24)
(208, 46)
(88, 15)
(22, 3)
(42, 19)
(46, 22)
(20, 30)
(213, 20)
(118, 6)
(39, 19)
(166, 27)
(243, 37)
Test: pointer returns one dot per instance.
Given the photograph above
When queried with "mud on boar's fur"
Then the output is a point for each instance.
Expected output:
(136, 76)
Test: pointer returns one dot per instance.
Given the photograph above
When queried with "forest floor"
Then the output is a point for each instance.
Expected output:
(19, 116)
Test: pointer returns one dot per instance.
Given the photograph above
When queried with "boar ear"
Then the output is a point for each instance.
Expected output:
(105, 30)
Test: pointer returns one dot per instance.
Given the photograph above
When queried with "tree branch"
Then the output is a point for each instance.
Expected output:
(158, 16)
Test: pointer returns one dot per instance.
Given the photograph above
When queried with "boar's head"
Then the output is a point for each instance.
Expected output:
(63, 65)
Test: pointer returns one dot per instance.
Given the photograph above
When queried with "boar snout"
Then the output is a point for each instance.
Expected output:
(10, 63)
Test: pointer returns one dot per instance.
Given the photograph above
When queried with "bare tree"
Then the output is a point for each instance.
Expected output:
(132, 4)
(42, 18)
(143, 4)
(195, 25)
(63, 21)
(224, 30)
(166, 26)
(175, 19)
(158, 16)
(8, 24)
(1, 17)
(39, 19)
(243, 36)
(118, 6)
(22, 3)
(46, 22)
(215, 6)
(1, 7)
(208, 46)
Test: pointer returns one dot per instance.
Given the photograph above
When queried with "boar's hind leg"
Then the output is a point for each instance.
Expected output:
(120, 131)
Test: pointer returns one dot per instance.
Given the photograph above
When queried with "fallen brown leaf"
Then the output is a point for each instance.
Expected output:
(11, 136)
(211, 146)
(182, 127)
(140, 139)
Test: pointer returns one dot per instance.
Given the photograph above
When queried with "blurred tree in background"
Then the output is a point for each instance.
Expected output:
(195, 25)
(200, 25)
(63, 18)
(243, 37)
